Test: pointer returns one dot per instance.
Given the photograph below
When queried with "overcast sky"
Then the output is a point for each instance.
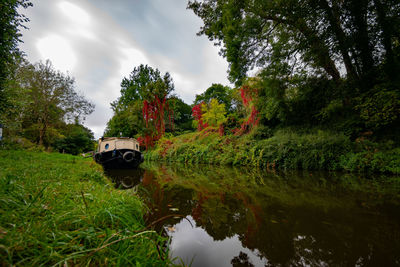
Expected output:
(100, 41)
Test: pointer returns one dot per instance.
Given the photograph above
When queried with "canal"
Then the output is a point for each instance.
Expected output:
(225, 216)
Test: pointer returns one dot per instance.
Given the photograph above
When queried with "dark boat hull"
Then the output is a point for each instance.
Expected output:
(119, 159)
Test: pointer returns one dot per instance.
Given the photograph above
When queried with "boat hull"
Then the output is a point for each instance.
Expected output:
(119, 159)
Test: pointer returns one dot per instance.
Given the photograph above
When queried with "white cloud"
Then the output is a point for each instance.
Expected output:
(131, 57)
(58, 50)
(75, 14)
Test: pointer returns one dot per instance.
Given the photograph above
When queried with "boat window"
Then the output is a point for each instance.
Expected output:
(107, 146)
(137, 146)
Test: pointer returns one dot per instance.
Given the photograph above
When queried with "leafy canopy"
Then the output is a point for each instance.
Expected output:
(213, 113)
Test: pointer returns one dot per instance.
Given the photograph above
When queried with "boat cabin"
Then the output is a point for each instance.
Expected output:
(116, 143)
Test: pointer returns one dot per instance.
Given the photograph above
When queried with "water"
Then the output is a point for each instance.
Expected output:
(223, 216)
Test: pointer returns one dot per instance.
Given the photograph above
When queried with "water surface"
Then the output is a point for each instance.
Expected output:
(224, 216)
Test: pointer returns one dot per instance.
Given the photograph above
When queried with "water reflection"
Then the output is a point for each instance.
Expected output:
(125, 178)
(250, 217)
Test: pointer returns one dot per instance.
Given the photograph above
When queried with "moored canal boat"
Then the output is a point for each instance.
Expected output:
(118, 152)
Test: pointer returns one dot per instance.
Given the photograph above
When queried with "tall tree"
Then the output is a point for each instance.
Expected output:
(148, 89)
(10, 23)
(312, 36)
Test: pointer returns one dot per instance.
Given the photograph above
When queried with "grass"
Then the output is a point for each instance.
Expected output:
(285, 149)
(59, 209)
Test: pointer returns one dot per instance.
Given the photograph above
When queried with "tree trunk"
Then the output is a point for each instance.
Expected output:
(334, 21)
(390, 66)
(319, 50)
(359, 11)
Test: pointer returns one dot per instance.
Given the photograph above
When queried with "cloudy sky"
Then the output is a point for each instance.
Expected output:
(100, 41)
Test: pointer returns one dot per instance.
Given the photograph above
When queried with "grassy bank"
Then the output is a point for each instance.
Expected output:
(59, 209)
(285, 149)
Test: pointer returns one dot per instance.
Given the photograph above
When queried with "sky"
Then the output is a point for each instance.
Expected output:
(99, 42)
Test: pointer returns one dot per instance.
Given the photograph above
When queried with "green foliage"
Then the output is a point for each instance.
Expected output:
(182, 116)
(284, 149)
(223, 94)
(214, 113)
(60, 210)
(76, 139)
(11, 21)
(141, 109)
(141, 85)
(128, 121)
(299, 48)
(372, 161)
(45, 99)
(381, 108)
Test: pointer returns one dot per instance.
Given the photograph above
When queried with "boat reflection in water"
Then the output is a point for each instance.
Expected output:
(125, 178)
(222, 216)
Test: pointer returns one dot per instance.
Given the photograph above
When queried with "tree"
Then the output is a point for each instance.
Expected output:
(314, 37)
(312, 55)
(127, 121)
(216, 91)
(182, 115)
(197, 114)
(140, 86)
(146, 88)
(10, 23)
(52, 99)
(214, 113)
(75, 139)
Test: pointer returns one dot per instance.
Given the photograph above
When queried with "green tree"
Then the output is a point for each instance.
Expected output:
(52, 99)
(312, 36)
(182, 115)
(10, 23)
(214, 113)
(217, 91)
(127, 121)
(312, 55)
(144, 105)
(141, 85)
(75, 139)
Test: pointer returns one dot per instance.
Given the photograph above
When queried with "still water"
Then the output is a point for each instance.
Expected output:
(224, 216)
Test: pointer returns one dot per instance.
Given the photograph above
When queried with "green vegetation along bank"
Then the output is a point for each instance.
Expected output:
(59, 209)
(284, 149)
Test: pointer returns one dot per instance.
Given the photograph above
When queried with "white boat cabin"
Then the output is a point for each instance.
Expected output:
(110, 143)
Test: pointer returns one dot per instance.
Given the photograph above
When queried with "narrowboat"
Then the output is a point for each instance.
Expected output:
(118, 153)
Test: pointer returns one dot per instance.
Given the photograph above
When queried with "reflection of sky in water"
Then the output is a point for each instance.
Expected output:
(193, 242)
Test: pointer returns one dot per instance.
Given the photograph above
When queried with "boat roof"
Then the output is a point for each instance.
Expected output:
(116, 138)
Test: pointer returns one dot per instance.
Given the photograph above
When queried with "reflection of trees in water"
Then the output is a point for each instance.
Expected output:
(290, 222)
(242, 260)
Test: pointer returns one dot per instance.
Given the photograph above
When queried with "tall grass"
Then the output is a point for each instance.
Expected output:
(285, 149)
(60, 210)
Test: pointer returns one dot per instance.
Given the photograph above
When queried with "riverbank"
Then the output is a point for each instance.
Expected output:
(285, 149)
(60, 209)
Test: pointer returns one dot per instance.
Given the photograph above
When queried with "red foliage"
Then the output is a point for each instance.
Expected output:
(197, 115)
(247, 93)
(221, 130)
(165, 147)
(146, 141)
(154, 112)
